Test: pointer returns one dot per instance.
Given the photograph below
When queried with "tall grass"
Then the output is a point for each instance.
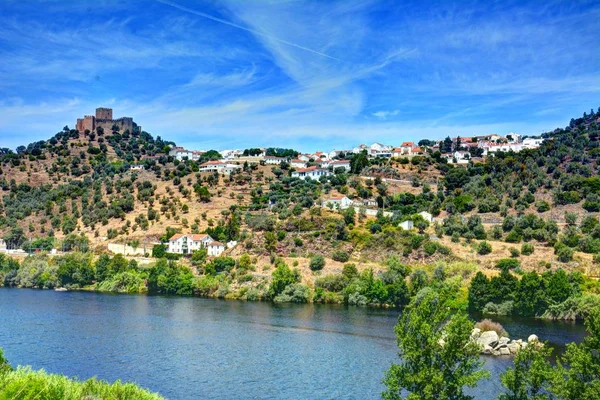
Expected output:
(26, 384)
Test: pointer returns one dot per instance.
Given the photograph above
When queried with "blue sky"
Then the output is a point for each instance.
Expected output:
(304, 74)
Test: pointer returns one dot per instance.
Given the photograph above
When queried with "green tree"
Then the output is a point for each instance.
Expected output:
(530, 299)
(281, 278)
(438, 358)
(578, 370)
(317, 263)
(531, 376)
(478, 292)
(484, 248)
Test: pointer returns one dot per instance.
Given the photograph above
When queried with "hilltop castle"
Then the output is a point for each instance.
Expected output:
(104, 119)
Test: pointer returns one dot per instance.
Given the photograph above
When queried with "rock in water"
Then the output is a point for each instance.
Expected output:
(533, 338)
(488, 338)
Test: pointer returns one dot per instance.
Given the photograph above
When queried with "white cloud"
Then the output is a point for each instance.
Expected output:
(384, 114)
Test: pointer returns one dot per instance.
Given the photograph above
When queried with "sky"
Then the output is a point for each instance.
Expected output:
(310, 75)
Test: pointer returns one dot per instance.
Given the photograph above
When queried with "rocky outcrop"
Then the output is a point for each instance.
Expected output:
(494, 345)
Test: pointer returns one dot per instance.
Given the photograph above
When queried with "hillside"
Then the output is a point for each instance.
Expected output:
(77, 185)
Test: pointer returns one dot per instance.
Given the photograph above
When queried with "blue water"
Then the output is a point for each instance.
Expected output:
(187, 348)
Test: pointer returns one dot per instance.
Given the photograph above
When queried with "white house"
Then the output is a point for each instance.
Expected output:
(397, 152)
(214, 249)
(340, 164)
(180, 154)
(297, 163)
(219, 167)
(337, 202)
(310, 172)
(380, 150)
(137, 168)
(407, 147)
(407, 225)
(532, 143)
(304, 157)
(426, 216)
(271, 160)
(359, 148)
(187, 243)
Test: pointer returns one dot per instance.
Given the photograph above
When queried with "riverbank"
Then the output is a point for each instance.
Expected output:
(25, 383)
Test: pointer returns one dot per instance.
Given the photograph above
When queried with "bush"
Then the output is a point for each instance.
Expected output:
(514, 252)
(504, 308)
(489, 325)
(317, 263)
(527, 249)
(294, 293)
(484, 248)
(430, 248)
(340, 255)
(24, 383)
(563, 253)
(508, 263)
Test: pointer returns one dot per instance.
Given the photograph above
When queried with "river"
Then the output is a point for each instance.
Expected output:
(188, 348)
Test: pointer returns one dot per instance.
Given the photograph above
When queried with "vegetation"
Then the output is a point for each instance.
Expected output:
(24, 383)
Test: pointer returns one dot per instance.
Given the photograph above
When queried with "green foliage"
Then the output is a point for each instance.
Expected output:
(531, 376)
(281, 278)
(166, 277)
(508, 263)
(578, 370)
(527, 249)
(294, 293)
(484, 248)
(159, 250)
(438, 358)
(24, 384)
(340, 255)
(317, 263)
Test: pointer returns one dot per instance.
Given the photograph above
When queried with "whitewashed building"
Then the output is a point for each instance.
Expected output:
(407, 225)
(180, 154)
(215, 249)
(340, 164)
(272, 160)
(337, 202)
(426, 216)
(310, 172)
(297, 163)
(187, 243)
(219, 167)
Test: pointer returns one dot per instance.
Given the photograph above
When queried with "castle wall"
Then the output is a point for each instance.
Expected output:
(104, 119)
(104, 113)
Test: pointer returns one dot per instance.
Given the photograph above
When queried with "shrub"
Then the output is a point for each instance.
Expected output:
(514, 252)
(340, 255)
(489, 325)
(294, 293)
(563, 253)
(504, 308)
(430, 248)
(484, 248)
(542, 206)
(298, 242)
(508, 263)
(527, 249)
(317, 263)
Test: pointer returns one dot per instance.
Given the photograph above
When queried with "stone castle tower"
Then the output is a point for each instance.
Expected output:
(104, 119)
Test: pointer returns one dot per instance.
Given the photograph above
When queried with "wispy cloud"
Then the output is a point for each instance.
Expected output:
(384, 114)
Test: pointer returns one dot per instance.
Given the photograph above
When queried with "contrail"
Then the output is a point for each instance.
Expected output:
(208, 16)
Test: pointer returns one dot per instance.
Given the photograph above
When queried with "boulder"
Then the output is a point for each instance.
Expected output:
(475, 333)
(488, 338)
(505, 351)
(533, 338)
(502, 342)
(487, 350)
(513, 347)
